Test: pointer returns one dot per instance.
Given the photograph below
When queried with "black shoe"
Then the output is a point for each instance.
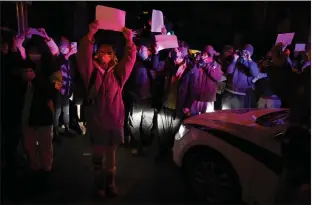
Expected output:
(57, 138)
(69, 132)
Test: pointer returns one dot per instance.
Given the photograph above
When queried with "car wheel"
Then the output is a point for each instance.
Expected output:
(212, 179)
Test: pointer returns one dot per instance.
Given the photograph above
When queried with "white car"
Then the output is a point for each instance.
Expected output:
(233, 155)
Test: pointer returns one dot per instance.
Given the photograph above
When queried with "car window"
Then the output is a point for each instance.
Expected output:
(274, 118)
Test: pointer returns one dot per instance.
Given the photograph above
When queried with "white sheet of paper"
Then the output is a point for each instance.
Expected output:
(165, 41)
(157, 21)
(286, 38)
(110, 18)
(300, 47)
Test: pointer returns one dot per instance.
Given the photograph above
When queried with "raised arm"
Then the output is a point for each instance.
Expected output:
(84, 54)
(50, 42)
(157, 65)
(124, 68)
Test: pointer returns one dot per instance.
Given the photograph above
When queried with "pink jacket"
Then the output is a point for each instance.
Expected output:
(107, 114)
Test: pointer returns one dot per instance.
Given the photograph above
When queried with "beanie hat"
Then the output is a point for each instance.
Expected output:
(249, 48)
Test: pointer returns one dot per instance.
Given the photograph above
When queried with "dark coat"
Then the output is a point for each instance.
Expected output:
(204, 82)
(184, 99)
(41, 112)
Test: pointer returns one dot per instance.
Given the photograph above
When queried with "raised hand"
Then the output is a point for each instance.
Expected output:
(163, 30)
(93, 28)
(156, 48)
(18, 40)
(43, 33)
(73, 50)
(128, 34)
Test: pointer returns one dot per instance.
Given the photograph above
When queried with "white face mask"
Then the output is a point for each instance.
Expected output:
(64, 51)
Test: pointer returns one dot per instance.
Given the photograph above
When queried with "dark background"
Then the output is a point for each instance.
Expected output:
(198, 23)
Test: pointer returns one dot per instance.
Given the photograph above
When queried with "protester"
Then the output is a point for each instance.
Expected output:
(62, 97)
(38, 108)
(105, 115)
(141, 91)
(207, 74)
(267, 98)
(240, 74)
(176, 74)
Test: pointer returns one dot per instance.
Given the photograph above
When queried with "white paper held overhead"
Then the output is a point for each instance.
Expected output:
(300, 47)
(285, 38)
(165, 41)
(110, 18)
(157, 21)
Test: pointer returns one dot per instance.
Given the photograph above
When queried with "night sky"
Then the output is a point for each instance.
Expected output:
(198, 23)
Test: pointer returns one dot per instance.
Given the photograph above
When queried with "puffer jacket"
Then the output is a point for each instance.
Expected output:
(107, 114)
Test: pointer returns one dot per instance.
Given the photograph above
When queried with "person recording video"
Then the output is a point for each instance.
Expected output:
(240, 74)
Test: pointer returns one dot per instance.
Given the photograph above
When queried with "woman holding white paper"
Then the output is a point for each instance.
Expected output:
(104, 80)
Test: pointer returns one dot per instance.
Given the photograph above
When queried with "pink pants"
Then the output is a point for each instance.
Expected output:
(43, 157)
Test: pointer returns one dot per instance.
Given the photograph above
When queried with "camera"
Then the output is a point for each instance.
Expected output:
(242, 55)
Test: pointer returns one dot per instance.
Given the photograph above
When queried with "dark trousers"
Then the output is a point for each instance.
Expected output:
(218, 102)
(128, 103)
(168, 125)
(141, 122)
(61, 105)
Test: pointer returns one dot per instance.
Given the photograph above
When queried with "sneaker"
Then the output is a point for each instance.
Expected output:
(82, 128)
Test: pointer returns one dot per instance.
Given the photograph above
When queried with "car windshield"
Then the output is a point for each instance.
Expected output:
(273, 119)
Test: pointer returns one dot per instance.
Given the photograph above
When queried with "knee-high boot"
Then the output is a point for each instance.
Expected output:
(111, 189)
(99, 177)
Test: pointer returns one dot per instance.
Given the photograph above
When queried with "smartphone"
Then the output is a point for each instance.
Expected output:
(73, 44)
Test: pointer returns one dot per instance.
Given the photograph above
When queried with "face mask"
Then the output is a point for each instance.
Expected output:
(35, 57)
(104, 59)
(64, 50)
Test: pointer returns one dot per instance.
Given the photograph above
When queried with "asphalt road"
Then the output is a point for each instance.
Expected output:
(140, 180)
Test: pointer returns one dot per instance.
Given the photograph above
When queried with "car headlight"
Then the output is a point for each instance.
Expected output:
(183, 130)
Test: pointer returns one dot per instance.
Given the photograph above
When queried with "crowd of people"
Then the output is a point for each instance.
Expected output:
(142, 97)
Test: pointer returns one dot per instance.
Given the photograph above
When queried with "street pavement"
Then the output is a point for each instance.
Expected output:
(140, 180)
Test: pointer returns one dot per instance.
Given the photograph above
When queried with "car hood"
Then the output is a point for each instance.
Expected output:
(241, 123)
(245, 117)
